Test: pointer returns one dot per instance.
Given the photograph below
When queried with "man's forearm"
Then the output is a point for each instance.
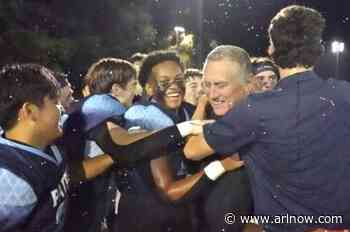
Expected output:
(196, 148)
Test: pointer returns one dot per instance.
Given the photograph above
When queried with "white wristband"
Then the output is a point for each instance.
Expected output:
(185, 128)
(214, 170)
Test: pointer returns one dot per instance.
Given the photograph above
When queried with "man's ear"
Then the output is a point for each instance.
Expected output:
(28, 111)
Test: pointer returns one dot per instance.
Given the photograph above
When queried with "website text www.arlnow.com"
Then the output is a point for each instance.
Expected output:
(231, 218)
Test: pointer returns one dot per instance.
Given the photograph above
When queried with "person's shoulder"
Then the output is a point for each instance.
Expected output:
(102, 101)
(253, 100)
(339, 90)
(4, 147)
(8, 151)
(265, 100)
(12, 181)
(144, 108)
(338, 84)
(9, 156)
(265, 96)
(17, 198)
(57, 150)
(99, 103)
(245, 110)
(148, 117)
(97, 109)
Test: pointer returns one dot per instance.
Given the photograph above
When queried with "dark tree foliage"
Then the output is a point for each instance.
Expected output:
(69, 35)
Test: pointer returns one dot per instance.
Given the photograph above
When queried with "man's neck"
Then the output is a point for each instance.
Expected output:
(286, 72)
(25, 137)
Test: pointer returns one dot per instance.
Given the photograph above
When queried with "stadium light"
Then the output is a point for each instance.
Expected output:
(337, 49)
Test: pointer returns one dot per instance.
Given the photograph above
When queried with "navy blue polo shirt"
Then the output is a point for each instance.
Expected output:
(295, 141)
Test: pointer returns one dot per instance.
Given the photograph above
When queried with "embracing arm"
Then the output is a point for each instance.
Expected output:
(163, 177)
(196, 144)
(127, 149)
(237, 128)
(120, 136)
(90, 168)
(190, 187)
(197, 148)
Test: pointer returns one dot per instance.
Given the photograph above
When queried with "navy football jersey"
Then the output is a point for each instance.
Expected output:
(33, 188)
(138, 191)
(92, 202)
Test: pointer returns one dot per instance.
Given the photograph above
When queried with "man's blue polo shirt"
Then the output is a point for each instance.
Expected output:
(295, 141)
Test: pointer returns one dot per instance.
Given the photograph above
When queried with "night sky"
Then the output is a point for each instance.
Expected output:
(244, 23)
(70, 35)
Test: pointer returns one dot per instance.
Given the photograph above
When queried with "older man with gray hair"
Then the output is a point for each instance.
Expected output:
(225, 82)
(226, 73)
(294, 139)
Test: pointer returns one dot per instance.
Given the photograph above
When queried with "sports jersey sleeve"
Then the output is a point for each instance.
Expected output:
(17, 200)
(98, 108)
(147, 117)
(128, 155)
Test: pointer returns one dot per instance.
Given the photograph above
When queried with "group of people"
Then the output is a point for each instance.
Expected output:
(154, 147)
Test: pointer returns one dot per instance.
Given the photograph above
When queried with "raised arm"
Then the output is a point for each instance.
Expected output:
(200, 112)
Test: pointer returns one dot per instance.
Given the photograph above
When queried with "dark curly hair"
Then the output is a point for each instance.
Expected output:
(295, 34)
(21, 83)
(152, 60)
